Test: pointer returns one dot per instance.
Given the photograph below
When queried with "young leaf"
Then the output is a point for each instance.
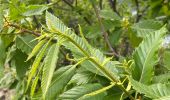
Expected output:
(102, 90)
(49, 67)
(145, 57)
(36, 49)
(35, 81)
(59, 83)
(36, 62)
(54, 24)
(34, 84)
(80, 49)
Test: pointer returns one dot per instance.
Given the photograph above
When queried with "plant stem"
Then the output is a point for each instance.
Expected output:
(124, 90)
(24, 30)
(137, 9)
(79, 12)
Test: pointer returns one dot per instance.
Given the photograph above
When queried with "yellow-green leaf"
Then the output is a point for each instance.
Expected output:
(36, 63)
(49, 67)
(36, 49)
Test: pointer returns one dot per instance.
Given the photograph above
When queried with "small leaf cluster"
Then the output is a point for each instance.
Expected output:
(77, 50)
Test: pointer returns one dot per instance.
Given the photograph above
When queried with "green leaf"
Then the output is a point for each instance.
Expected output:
(54, 23)
(25, 44)
(163, 78)
(134, 39)
(38, 94)
(145, 56)
(99, 91)
(36, 49)
(80, 49)
(60, 71)
(156, 91)
(60, 81)
(115, 36)
(79, 92)
(109, 14)
(2, 57)
(103, 62)
(7, 80)
(77, 44)
(1, 19)
(34, 84)
(95, 28)
(5, 41)
(34, 10)
(49, 67)
(36, 63)
(8, 38)
(15, 11)
(82, 77)
(115, 93)
(146, 27)
(20, 64)
(90, 30)
(166, 57)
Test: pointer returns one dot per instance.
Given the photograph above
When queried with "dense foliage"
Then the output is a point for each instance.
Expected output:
(84, 49)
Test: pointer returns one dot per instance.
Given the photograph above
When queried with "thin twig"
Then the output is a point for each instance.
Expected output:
(124, 90)
(6, 20)
(113, 6)
(78, 11)
(50, 9)
(101, 4)
(104, 32)
(8, 34)
(143, 11)
(62, 8)
(137, 9)
(23, 30)
(68, 3)
(51, 4)
(140, 13)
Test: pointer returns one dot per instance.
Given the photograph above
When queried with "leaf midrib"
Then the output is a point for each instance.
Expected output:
(144, 65)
